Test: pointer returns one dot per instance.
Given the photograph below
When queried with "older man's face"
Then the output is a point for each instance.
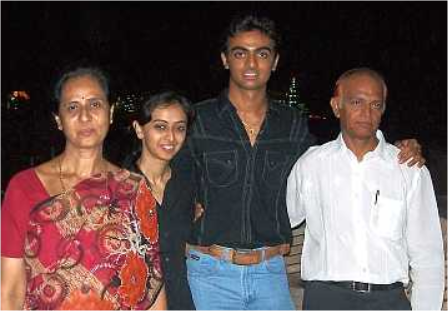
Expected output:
(361, 105)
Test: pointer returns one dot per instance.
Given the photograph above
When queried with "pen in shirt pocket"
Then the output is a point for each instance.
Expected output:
(377, 194)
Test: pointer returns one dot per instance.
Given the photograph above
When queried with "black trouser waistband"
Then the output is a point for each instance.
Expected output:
(364, 287)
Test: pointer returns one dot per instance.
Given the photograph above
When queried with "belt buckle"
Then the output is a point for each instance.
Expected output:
(232, 253)
(366, 287)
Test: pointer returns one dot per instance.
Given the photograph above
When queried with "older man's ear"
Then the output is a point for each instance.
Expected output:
(334, 103)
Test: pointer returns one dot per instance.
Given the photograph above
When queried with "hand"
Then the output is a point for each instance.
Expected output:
(411, 150)
(198, 211)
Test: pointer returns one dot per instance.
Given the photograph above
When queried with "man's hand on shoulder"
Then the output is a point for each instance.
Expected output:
(410, 150)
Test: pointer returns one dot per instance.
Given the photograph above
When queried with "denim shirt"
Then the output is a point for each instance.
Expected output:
(242, 187)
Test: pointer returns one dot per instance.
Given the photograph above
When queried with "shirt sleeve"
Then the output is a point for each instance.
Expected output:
(13, 220)
(296, 209)
(425, 245)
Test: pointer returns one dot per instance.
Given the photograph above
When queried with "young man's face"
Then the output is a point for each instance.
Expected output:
(251, 57)
(360, 106)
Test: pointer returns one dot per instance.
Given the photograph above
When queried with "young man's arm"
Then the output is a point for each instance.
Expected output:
(425, 245)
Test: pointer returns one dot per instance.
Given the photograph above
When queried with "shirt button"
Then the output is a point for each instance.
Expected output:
(167, 259)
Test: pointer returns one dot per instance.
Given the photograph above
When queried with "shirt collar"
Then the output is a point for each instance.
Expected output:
(379, 151)
(224, 104)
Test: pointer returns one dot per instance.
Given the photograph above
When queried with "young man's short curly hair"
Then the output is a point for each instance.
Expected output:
(250, 22)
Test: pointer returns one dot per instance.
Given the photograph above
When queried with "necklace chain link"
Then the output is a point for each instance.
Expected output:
(61, 178)
(252, 129)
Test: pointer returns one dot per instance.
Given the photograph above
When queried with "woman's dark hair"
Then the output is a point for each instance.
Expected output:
(249, 22)
(164, 99)
(93, 72)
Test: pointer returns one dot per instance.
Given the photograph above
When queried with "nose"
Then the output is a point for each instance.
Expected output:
(85, 114)
(252, 60)
(170, 135)
(366, 111)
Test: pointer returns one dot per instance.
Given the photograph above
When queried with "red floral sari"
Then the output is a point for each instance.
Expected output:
(94, 247)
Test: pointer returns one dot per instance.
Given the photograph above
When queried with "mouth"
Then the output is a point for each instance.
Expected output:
(250, 75)
(364, 124)
(86, 132)
(168, 148)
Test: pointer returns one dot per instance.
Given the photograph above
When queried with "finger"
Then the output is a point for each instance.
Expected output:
(403, 156)
(422, 162)
(412, 162)
(419, 160)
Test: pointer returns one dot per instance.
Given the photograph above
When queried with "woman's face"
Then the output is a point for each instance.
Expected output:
(84, 112)
(164, 135)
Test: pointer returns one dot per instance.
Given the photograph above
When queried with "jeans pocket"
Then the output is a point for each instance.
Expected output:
(276, 265)
(201, 264)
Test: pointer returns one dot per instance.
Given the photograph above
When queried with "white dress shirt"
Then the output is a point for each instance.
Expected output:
(373, 221)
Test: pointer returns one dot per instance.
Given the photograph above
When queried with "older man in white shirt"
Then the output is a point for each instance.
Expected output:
(371, 223)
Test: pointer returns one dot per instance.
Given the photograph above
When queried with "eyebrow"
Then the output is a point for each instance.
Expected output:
(89, 99)
(246, 49)
(164, 121)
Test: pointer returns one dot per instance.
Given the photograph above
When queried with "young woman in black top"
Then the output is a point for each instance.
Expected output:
(161, 126)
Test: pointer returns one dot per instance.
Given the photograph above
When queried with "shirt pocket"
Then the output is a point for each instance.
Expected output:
(222, 167)
(274, 168)
(387, 217)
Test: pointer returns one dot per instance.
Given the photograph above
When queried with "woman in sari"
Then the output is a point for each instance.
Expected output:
(161, 127)
(77, 231)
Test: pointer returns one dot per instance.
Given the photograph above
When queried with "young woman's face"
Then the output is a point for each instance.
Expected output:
(164, 135)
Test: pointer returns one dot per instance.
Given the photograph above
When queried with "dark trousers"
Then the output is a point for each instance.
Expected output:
(324, 296)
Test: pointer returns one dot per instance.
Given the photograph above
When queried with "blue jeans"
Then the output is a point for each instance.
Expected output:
(217, 284)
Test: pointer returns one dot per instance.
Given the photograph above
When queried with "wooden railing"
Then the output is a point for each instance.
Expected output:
(293, 259)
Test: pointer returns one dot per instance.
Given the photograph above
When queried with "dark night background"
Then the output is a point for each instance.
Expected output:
(149, 46)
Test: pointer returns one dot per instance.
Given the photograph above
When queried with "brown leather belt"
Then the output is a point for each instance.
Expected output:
(241, 256)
